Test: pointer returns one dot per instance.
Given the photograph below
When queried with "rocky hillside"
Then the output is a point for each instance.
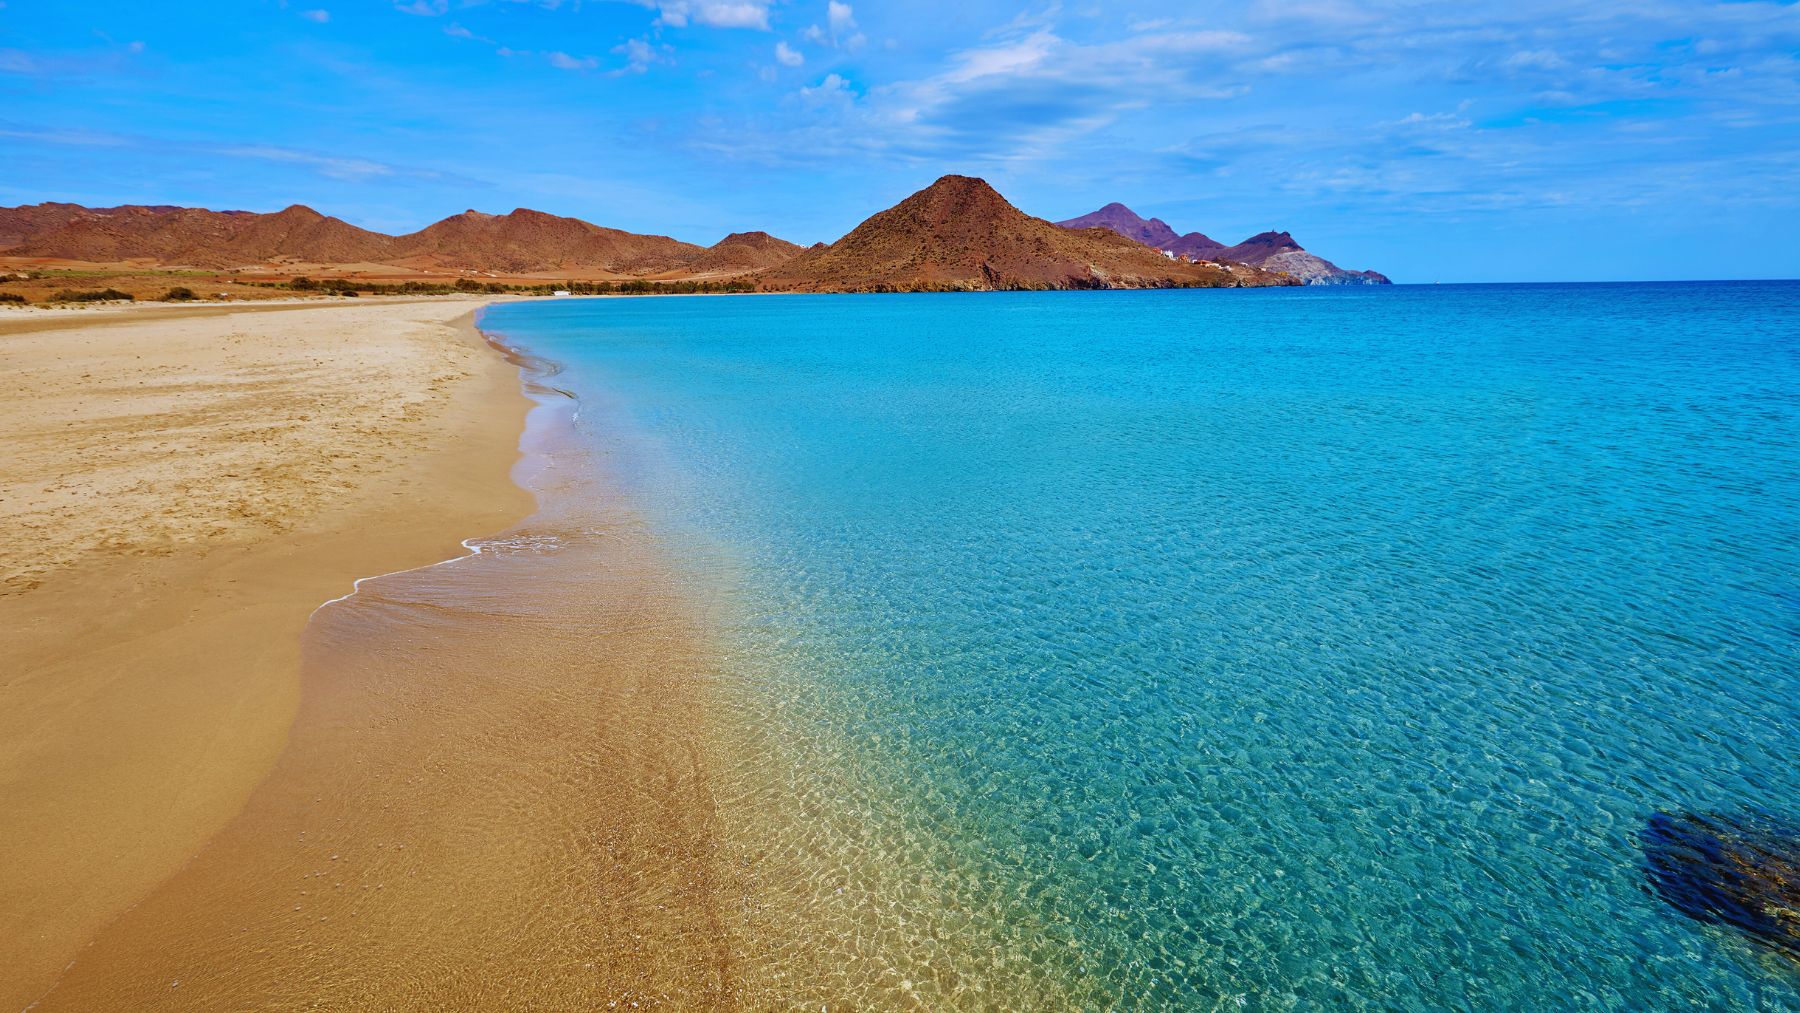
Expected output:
(1277, 251)
(1152, 232)
(522, 242)
(20, 225)
(959, 234)
(190, 236)
(527, 242)
(1271, 251)
(744, 251)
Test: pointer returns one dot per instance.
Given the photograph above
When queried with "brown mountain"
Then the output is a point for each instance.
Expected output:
(1261, 247)
(22, 224)
(527, 242)
(960, 234)
(1196, 245)
(744, 251)
(521, 242)
(26, 222)
(1152, 232)
(1271, 251)
(192, 236)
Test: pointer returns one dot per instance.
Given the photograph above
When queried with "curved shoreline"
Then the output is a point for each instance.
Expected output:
(497, 789)
(259, 460)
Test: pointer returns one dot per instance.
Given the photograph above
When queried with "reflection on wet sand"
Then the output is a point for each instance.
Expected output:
(497, 793)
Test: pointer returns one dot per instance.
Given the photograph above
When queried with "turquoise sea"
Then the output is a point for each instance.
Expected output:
(1269, 649)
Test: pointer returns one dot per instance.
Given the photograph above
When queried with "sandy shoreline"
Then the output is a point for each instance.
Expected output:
(184, 487)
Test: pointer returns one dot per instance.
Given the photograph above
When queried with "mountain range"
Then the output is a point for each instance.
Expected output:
(959, 234)
(956, 234)
(521, 242)
(1271, 251)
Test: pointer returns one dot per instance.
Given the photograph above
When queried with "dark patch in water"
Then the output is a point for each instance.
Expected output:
(1742, 871)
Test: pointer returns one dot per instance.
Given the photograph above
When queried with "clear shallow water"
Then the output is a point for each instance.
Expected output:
(1279, 649)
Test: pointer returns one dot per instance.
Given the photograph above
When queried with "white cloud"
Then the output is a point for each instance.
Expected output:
(425, 8)
(834, 87)
(639, 55)
(734, 15)
(712, 13)
(841, 18)
(1032, 90)
(1539, 59)
(563, 61)
(316, 16)
(327, 165)
(1441, 121)
(842, 31)
(17, 61)
(1005, 60)
(788, 55)
(78, 138)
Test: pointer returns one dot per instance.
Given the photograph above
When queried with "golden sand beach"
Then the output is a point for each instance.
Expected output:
(181, 488)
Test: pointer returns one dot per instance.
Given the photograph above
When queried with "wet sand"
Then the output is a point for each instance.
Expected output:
(530, 776)
(498, 793)
(181, 489)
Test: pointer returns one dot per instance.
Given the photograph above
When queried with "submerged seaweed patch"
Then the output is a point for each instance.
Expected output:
(1738, 870)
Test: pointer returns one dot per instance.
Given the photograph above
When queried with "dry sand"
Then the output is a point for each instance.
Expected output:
(180, 489)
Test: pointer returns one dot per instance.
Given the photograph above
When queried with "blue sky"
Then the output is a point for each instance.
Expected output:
(1482, 140)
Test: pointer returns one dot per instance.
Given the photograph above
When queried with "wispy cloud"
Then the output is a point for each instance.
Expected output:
(832, 88)
(113, 57)
(787, 55)
(1024, 93)
(457, 31)
(66, 136)
(640, 54)
(329, 165)
(712, 13)
(840, 28)
(841, 17)
(317, 15)
(563, 61)
(18, 61)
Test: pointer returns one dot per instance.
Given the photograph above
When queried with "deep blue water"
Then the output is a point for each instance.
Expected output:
(1295, 648)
